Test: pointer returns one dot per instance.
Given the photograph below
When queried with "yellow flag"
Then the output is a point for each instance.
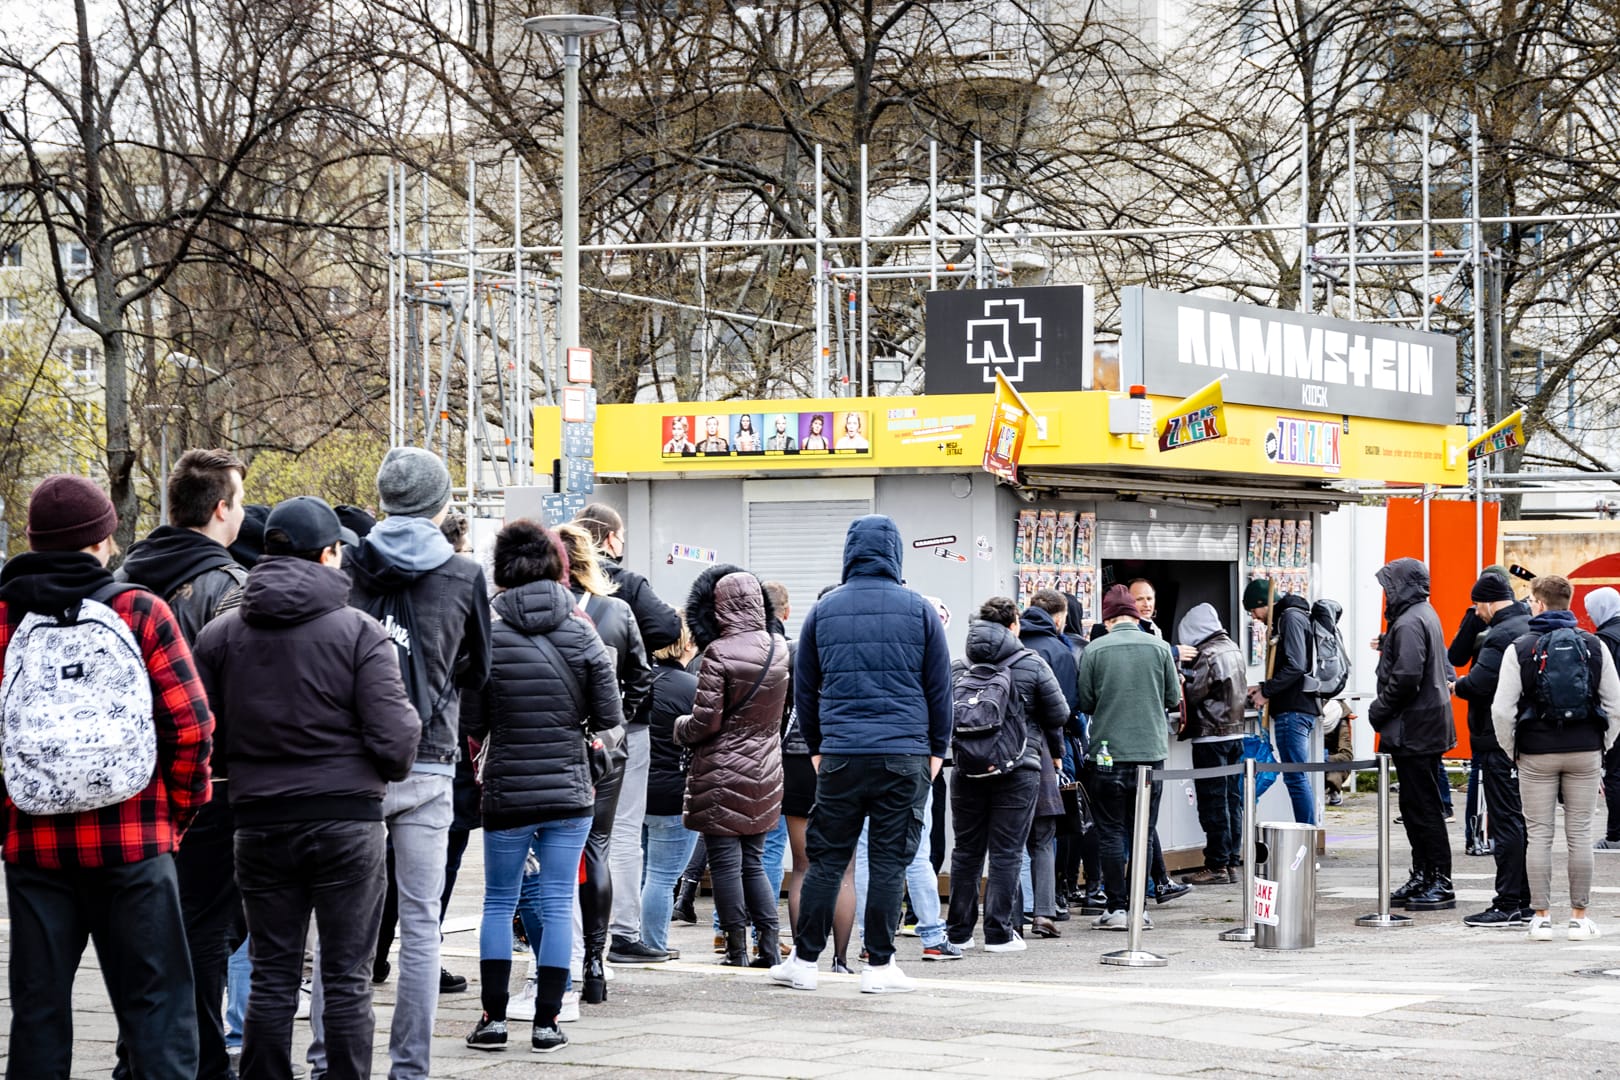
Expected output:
(1507, 435)
(1194, 419)
(1009, 418)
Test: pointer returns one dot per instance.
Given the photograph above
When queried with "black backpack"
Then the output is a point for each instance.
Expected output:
(988, 736)
(1330, 665)
(1562, 662)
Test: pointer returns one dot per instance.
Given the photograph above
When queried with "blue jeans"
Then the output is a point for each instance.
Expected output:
(557, 844)
(922, 884)
(1293, 734)
(775, 851)
(669, 847)
(238, 977)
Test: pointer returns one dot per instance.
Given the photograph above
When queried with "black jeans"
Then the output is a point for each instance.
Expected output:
(891, 790)
(1611, 791)
(992, 815)
(596, 891)
(1113, 804)
(1422, 812)
(742, 892)
(455, 848)
(336, 870)
(132, 913)
(1220, 803)
(1500, 781)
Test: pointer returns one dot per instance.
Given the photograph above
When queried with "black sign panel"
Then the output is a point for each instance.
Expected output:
(1039, 338)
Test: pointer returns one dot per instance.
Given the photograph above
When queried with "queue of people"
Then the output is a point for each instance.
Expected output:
(299, 710)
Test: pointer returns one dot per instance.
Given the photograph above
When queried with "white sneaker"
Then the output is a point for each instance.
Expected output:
(966, 946)
(799, 974)
(522, 1006)
(569, 1013)
(305, 991)
(1540, 928)
(1016, 944)
(1583, 929)
(888, 979)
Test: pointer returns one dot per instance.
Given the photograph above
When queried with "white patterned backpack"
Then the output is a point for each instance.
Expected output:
(76, 730)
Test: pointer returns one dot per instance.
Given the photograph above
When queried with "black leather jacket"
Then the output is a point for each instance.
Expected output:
(616, 625)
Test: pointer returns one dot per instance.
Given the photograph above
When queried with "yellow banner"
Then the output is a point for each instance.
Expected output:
(1196, 418)
(1008, 420)
(1507, 435)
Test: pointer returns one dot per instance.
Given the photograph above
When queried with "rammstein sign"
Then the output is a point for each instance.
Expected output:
(1174, 343)
(1039, 338)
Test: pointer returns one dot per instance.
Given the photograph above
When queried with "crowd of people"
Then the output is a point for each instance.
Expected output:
(270, 713)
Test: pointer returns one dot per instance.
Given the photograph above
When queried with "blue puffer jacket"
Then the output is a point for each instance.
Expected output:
(873, 671)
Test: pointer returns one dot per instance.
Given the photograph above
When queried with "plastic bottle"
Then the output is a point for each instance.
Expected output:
(1104, 758)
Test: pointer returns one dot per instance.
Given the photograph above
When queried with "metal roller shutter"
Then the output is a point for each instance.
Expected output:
(801, 544)
(1169, 540)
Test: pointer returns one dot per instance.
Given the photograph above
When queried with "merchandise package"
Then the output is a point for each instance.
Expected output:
(1063, 549)
(1290, 533)
(1273, 542)
(1085, 534)
(1045, 537)
(1302, 549)
(1257, 542)
(1024, 537)
(1067, 577)
(1026, 584)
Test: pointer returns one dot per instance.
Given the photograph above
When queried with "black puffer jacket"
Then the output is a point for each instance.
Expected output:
(1412, 712)
(673, 690)
(616, 626)
(1046, 710)
(1478, 687)
(535, 768)
(1291, 636)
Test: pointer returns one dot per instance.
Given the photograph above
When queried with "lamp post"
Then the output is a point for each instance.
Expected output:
(572, 29)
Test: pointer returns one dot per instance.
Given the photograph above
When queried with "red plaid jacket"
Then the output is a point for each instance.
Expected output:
(152, 822)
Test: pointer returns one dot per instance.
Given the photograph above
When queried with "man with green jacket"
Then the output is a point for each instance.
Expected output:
(1127, 681)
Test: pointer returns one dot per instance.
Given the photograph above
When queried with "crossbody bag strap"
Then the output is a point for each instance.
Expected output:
(765, 669)
(544, 645)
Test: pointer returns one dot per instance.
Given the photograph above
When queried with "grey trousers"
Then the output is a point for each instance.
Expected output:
(1540, 778)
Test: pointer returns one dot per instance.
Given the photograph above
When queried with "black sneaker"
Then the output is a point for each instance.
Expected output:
(1095, 902)
(380, 968)
(623, 950)
(547, 1038)
(1495, 918)
(1166, 891)
(451, 983)
(488, 1035)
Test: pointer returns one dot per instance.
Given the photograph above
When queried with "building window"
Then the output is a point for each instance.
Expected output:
(11, 309)
(76, 258)
(10, 256)
(82, 361)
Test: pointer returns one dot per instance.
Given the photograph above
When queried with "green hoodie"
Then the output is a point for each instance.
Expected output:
(1127, 682)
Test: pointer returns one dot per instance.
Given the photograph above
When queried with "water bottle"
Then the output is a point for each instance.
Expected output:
(1104, 758)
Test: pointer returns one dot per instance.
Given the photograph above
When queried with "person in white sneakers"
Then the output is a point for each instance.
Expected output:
(1557, 709)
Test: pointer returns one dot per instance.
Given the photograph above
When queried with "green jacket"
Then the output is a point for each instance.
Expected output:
(1127, 681)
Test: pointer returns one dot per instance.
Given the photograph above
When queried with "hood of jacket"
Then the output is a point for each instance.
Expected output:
(284, 590)
(872, 548)
(170, 557)
(702, 619)
(1331, 610)
(1034, 620)
(398, 552)
(990, 643)
(1549, 621)
(739, 603)
(1291, 602)
(536, 608)
(1405, 583)
(51, 582)
(1603, 605)
(1199, 625)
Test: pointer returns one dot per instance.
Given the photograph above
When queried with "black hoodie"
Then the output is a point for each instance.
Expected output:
(1291, 637)
(1412, 712)
(51, 582)
(195, 573)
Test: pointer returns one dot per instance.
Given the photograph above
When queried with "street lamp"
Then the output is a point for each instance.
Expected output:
(571, 29)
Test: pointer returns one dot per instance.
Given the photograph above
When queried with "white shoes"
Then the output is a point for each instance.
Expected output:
(1540, 928)
(522, 1006)
(1014, 944)
(1583, 929)
(888, 979)
(799, 974)
(569, 1013)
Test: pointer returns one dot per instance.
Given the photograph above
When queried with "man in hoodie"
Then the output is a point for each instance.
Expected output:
(1503, 621)
(1603, 607)
(1412, 715)
(1127, 682)
(314, 722)
(104, 874)
(435, 607)
(1041, 631)
(187, 563)
(872, 691)
(1294, 710)
(1214, 683)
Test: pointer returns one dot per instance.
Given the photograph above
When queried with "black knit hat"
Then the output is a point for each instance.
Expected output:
(1489, 588)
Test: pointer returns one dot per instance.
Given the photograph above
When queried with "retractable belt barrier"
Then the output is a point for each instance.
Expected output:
(1134, 956)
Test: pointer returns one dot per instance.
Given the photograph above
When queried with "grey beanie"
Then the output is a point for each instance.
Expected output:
(413, 483)
(1602, 605)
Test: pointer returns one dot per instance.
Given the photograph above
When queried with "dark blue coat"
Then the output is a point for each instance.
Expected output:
(873, 671)
(1039, 634)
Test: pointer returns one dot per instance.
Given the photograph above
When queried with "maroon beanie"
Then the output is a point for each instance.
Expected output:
(69, 513)
(1117, 602)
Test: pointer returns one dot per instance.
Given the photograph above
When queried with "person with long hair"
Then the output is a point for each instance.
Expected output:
(552, 685)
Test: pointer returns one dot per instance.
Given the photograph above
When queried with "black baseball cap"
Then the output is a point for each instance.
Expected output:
(307, 523)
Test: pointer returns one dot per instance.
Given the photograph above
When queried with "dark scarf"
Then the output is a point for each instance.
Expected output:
(51, 582)
(171, 556)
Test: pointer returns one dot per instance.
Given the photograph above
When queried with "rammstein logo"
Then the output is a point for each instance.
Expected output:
(1009, 341)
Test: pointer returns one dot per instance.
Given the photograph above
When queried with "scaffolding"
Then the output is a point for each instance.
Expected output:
(485, 316)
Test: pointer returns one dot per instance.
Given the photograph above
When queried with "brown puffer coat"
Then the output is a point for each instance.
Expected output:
(734, 784)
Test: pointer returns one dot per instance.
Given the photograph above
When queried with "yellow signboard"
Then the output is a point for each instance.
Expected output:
(1196, 418)
(1507, 435)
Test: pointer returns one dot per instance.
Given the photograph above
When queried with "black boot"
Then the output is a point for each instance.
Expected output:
(1436, 895)
(593, 991)
(736, 948)
(769, 947)
(686, 891)
(1414, 883)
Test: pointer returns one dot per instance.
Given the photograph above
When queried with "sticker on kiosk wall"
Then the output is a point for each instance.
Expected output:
(1311, 443)
(1265, 901)
(766, 434)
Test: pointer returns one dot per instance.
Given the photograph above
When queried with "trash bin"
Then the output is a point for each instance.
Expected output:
(1285, 885)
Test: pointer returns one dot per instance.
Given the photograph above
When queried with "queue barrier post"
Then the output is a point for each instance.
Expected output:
(1382, 919)
(1133, 955)
(1245, 932)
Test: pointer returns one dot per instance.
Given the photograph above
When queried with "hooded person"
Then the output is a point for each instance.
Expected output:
(249, 542)
(1603, 608)
(1214, 682)
(1293, 708)
(1412, 716)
